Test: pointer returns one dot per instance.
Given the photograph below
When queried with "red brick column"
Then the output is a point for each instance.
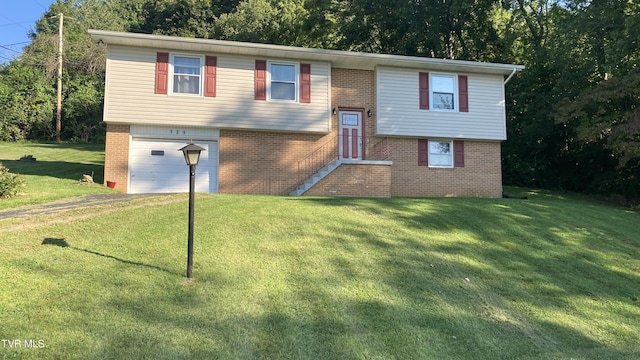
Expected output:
(116, 165)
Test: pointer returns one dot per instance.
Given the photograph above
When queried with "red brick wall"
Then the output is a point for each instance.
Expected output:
(355, 180)
(255, 162)
(116, 162)
(354, 89)
(480, 177)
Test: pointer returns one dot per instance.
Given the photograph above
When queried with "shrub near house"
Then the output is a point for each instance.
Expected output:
(10, 184)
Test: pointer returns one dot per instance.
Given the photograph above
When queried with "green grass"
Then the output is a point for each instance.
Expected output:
(552, 277)
(56, 171)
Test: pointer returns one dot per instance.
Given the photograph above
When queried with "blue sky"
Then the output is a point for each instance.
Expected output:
(17, 17)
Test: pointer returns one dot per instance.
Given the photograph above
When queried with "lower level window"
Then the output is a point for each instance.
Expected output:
(440, 153)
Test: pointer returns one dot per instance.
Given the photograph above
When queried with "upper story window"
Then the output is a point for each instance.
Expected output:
(187, 74)
(283, 81)
(443, 92)
(181, 74)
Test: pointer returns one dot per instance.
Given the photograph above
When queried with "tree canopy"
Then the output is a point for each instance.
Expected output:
(573, 115)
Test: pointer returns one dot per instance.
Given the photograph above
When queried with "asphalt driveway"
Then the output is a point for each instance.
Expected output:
(60, 206)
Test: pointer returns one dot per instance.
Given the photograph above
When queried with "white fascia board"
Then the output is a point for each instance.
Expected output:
(337, 58)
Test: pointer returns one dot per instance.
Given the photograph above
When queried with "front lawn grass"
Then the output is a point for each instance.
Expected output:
(329, 278)
(56, 172)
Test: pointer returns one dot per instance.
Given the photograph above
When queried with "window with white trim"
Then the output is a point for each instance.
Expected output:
(440, 154)
(283, 81)
(443, 92)
(186, 74)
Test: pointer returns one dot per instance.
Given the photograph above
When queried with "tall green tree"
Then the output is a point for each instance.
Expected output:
(83, 62)
(266, 21)
(188, 18)
(26, 102)
(570, 126)
(457, 29)
(572, 115)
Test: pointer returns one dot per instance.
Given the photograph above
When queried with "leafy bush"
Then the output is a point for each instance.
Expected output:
(10, 184)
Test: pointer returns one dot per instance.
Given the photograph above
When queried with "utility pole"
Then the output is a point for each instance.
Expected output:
(59, 108)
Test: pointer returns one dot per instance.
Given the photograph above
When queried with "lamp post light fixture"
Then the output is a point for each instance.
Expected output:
(191, 156)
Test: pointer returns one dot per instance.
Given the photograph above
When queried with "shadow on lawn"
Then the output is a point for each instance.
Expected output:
(431, 311)
(84, 146)
(527, 241)
(57, 169)
(63, 243)
(517, 254)
(316, 322)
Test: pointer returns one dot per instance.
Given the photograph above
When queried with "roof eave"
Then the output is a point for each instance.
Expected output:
(338, 59)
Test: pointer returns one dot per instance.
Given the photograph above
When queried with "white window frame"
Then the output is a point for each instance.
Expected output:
(172, 74)
(432, 155)
(296, 82)
(456, 93)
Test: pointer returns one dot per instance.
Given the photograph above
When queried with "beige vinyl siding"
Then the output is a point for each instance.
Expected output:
(131, 98)
(398, 111)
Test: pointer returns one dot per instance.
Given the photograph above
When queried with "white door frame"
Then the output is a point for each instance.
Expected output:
(350, 133)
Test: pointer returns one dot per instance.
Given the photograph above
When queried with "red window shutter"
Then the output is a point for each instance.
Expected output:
(305, 83)
(463, 93)
(210, 72)
(423, 152)
(260, 77)
(424, 90)
(458, 153)
(162, 73)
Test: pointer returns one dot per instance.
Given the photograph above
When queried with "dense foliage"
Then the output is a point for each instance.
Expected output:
(573, 114)
(10, 184)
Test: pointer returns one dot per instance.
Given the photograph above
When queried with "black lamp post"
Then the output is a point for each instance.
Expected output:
(191, 156)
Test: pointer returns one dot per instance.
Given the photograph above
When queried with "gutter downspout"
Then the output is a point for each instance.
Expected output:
(515, 70)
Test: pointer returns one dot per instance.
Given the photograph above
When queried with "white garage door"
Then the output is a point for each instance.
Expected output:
(157, 166)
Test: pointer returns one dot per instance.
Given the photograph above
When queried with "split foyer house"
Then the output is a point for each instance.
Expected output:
(287, 120)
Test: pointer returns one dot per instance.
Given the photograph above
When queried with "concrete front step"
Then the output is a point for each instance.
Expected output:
(328, 169)
(315, 178)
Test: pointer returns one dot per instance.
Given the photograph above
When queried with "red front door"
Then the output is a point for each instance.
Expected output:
(350, 134)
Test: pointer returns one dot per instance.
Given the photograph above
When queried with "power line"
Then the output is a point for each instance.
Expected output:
(20, 23)
(26, 63)
(10, 49)
(7, 47)
(37, 2)
(16, 23)
(20, 43)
